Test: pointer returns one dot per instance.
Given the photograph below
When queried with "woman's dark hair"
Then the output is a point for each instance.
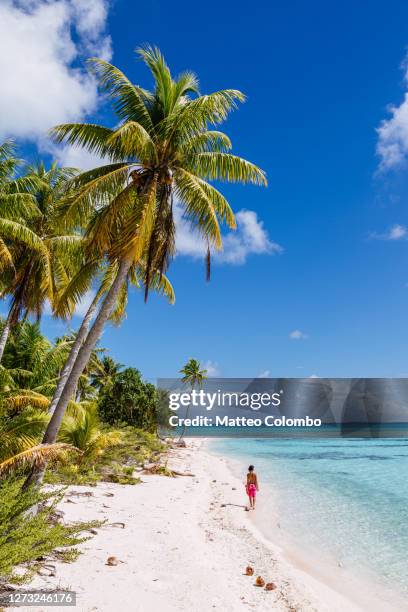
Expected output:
(251, 468)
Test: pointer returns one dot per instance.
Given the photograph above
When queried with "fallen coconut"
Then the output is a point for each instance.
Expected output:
(260, 582)
(112, 561)
(270, 586)
(249, 571)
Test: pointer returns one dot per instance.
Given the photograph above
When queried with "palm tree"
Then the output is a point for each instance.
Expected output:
(105, 372)
(20, 442)
(36, 456)
(162, 148)
(15, 202)
(78, 285)
(193, 376)
(41, 257)
(81, 428)
(30, 368)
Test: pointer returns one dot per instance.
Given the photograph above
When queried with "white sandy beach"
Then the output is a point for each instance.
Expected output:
(181, 548)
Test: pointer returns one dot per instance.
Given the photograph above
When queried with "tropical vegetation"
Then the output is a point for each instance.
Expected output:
(193, 376)
(66, 234)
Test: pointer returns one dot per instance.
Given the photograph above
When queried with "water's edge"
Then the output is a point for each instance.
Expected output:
(366, 588)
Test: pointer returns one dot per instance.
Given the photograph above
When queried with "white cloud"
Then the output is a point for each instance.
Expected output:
(251, 237)
(42, 46)
(84, 304)
(72, 157)
(392, 145)
(264, 374)
(314, 376)
(212, 369)
(296, 334)
(90, 17)
(81, 308)
(396, 232)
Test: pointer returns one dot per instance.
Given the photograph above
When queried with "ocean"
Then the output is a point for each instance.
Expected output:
(344, 500)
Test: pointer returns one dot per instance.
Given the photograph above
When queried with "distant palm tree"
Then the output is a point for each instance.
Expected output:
(162, 148)
(105, 372)
(193, 376)
(40, 254)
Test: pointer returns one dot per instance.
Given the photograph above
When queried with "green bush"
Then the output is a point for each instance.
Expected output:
(25, 537)
(129, 400)
(116, 464)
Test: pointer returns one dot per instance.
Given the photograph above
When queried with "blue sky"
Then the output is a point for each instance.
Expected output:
(319, 79)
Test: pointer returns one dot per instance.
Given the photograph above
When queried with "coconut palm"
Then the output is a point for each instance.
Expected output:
(20, 437)
(81, 428)
(162, 148)
(193, 376)
(105, 373)
(41, 257)
(16, 202)
(30, 367)
(35, 456)
(78, 285)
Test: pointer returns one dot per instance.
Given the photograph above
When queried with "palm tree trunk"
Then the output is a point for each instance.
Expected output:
(84, 354)
(4, 335)
(15, 309)
(185, 417)
(10, 322)
(69, 364)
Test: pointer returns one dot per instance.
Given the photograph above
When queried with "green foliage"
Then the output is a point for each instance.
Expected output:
(163, 146)
(116, 464)
(30, 367)
(129, 400)
(36, 253)
(163, 410)
(192, 373)
(24, 537)
(27, 380)
(104, 374)
(81, 428)
(193, 376)
(137, 447)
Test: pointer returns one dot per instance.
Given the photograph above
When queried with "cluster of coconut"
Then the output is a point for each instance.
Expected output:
(259, 582)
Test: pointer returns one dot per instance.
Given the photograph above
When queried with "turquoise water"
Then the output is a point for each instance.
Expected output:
(344, 498)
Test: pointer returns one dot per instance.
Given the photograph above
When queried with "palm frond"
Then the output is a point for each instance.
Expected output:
(210, 140)
(39, 454)
(202, 189)
(26, 398)
(227, 167)
(128, 100)
(16, 205)
(92, 137)
(198, 206)
(134, 142)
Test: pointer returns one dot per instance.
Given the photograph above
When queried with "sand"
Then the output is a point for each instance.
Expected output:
(184, 546)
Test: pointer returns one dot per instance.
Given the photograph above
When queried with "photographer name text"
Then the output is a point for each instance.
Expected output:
(227, 421)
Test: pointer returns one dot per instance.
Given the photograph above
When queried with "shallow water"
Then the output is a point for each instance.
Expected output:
(347, 499)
